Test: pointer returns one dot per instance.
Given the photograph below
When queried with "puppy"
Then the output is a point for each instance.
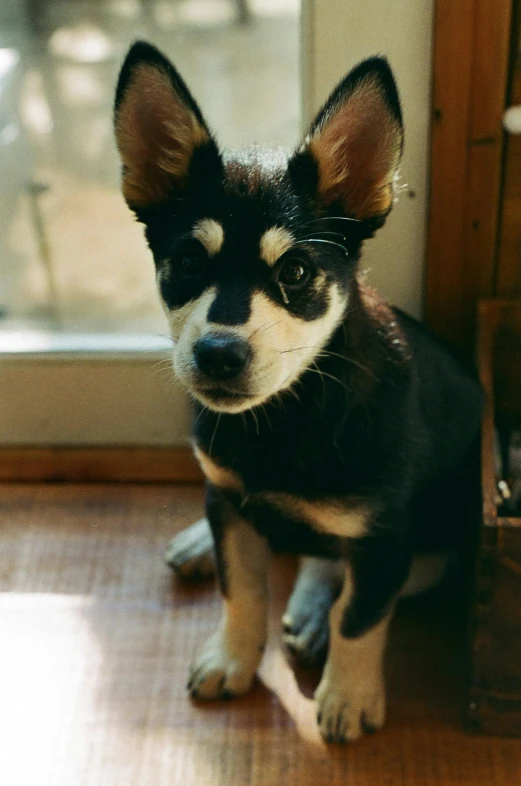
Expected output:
(327, 424)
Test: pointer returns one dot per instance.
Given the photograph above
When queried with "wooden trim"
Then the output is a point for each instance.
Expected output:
(487, 323)
(472, 45)
(132, 465)
(509, 267)
(493, 317)
(509, 523)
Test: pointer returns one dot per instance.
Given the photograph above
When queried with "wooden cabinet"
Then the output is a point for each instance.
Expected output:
(473, 255)
(494, 705)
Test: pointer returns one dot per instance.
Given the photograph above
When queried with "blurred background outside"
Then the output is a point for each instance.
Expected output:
(72, 259)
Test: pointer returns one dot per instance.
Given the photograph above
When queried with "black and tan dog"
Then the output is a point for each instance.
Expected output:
(328, 424)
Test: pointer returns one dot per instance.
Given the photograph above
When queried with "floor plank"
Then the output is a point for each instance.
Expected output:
(97, 638)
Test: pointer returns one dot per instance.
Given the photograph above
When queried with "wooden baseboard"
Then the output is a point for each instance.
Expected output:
(124, 464)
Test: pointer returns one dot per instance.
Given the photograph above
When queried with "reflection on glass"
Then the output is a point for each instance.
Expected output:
(71, 257)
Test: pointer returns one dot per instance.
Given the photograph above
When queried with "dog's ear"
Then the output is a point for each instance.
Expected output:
(159, 128)
(354, 145)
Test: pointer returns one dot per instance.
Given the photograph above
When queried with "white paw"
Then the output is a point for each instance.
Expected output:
(191, 553)
(219, 673)
(345, 713)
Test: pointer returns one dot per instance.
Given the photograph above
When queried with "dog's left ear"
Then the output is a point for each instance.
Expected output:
(354, 145)
(159, 129)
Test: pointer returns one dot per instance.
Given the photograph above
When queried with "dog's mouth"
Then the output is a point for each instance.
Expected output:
(224, 399)
(223, 394)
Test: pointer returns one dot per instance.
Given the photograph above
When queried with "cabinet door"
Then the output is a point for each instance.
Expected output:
(509, 258)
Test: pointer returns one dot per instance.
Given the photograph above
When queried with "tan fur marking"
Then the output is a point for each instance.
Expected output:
(229, 659)
(274, 243)
(351, 693)
(193, 310)
(210, 233)
(273, 369)
(156, 135)
(219, 476)
(332, 518)
(357, 149)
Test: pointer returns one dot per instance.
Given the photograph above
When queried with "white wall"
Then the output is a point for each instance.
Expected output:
(337, 34)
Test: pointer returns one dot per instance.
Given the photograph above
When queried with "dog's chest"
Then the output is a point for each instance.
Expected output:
(289, 518)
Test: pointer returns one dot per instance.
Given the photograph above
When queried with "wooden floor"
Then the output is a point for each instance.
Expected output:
(96, 638)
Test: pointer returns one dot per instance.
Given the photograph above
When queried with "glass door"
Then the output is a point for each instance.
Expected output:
(84, 348)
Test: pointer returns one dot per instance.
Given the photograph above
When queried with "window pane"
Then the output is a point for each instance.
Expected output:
(71, 256)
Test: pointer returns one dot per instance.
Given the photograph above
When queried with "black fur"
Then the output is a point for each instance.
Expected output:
(391, 418)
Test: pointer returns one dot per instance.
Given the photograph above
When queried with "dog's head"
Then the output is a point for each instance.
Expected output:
(255, 253)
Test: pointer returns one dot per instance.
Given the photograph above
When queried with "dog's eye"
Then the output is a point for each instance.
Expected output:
(191, 265)
(293, 273)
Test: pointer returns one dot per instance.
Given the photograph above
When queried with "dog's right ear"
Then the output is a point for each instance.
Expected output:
(351, 156)
(159, 128)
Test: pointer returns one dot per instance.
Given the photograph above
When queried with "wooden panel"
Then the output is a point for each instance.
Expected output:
(495, 692)
(470, 76)
(454, 39)
(509, 263)
(496, 689)
(96, 642)
(159, 465)
(506, 357)
(487, 324)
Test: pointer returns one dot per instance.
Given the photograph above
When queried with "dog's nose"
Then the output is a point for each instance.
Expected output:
(220, 356)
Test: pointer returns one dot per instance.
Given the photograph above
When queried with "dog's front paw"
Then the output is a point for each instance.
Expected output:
(344, 712)
(220, 671)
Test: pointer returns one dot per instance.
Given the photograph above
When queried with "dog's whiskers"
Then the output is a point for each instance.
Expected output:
(163, 363)
(327, 352)
(254, 416)
(332, 218)
(204, 408)
(274, 324)
(312, 235)
(321, 240)
(295, 349)
(293, 392)
(213, 435)
(164, 369)
(331, 376)
(266, 415)
(263, 328)
(280, 400)
(256, 330)
(323, 384)
(167, 336)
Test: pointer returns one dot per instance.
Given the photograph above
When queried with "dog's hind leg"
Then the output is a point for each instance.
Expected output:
(305, 621)
(191, 552)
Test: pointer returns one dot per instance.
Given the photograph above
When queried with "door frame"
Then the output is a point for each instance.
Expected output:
(473, 46)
